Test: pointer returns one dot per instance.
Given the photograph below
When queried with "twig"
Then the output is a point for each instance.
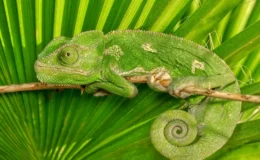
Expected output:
(205, 92)
(136, 79)
(34, 86)
(223, 95)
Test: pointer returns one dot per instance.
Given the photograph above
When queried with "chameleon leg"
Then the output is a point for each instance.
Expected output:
(114, 84)
(177, 85)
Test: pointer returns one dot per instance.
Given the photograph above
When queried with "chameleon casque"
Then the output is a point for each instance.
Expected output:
(100, 61)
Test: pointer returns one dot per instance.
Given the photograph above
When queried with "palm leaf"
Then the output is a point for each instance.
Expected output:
(66, 125)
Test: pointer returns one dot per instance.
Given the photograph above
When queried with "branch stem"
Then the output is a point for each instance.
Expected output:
(136, 79)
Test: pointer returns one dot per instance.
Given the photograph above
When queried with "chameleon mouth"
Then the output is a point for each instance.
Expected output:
(39, 66)
(49, 74)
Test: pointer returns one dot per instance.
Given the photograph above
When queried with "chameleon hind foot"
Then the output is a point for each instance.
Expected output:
(157, 81)
(177, 86)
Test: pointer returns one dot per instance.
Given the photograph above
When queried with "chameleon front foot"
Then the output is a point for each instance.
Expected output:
(95, 90)
(91, 88)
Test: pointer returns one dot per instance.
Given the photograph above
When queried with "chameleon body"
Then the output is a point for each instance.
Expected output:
(104, 61)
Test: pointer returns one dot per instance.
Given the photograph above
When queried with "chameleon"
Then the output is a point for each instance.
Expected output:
(101, 61)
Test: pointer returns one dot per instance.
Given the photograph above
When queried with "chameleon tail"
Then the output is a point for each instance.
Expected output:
(178, 134)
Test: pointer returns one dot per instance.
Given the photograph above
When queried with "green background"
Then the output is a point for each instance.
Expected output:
(66, 125)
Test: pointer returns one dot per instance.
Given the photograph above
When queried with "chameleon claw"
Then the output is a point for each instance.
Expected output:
(82, 89)
(101, 93)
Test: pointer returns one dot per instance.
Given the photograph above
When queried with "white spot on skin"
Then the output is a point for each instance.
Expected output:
(148, 47)
(140, 70)
(197, 65)
(115, 51)
(135, 70)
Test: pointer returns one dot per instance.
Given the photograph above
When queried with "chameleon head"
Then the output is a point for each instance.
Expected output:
(71, 61)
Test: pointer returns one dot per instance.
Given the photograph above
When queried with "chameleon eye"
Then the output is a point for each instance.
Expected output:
(68, 56)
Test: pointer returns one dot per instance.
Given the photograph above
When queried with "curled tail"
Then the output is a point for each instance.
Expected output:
(196, 134)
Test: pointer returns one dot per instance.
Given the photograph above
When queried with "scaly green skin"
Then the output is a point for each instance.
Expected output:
(103, 61)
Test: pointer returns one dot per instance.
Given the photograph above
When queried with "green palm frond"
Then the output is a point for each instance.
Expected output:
(66, 125)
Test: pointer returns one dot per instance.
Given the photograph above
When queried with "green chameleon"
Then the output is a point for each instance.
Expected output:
(103, 62)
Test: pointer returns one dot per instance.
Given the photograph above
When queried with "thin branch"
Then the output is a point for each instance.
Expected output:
(136, 79)
(205, 92)
(223, 95)
(34, 86)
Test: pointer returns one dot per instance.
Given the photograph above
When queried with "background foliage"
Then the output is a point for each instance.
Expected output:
(65, 125)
